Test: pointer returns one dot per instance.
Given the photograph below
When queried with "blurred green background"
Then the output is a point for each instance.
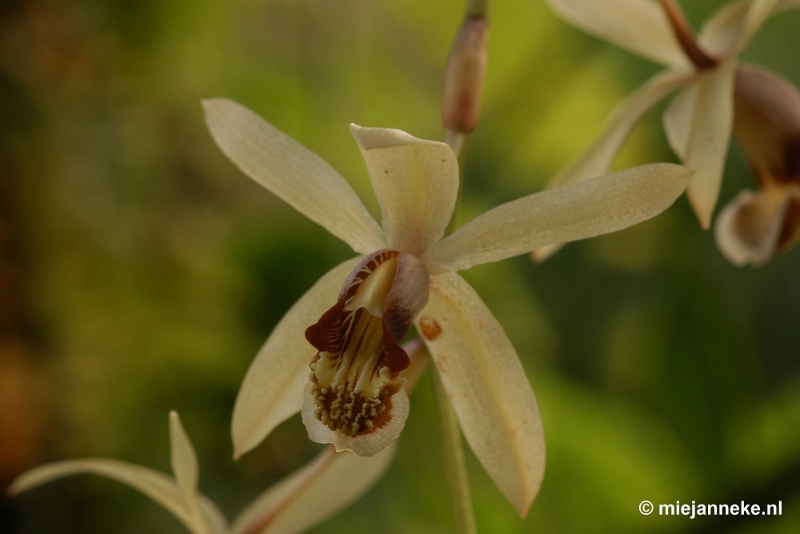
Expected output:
(140, 271)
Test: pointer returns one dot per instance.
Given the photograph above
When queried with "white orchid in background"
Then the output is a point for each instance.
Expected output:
(296, 503)
(700, 120)
(406, 273)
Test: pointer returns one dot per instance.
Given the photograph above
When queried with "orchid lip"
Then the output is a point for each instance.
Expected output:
(354, 381)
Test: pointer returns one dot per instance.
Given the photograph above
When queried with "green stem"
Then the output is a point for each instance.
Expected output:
(477, 8)
(453, 452)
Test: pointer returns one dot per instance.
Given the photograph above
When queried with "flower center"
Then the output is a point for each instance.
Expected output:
(351, 384)
(355, 372)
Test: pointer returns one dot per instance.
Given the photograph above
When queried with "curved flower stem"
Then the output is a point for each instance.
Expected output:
(453, 455)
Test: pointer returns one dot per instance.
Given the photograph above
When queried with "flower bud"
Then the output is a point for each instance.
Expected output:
(463, 80)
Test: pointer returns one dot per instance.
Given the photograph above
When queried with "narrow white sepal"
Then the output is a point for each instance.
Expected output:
(292, 172)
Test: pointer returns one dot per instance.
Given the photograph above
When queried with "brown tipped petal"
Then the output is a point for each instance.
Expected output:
(749, 228)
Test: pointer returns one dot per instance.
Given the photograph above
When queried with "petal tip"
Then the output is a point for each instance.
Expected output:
(372, 138)
(211, 104)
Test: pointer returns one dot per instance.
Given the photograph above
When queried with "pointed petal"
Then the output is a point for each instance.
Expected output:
(731, 27)
(314, 493)
(747, 230)
(416, 182)
(709, 137)
(155, 485)
(597, 159)
(292, 172)
(272, 390)
(755, 17)
(576, 211)
(487, 386)
(678, 119)
(637, 25)
(214, 520)
(720, 33)
(184, 459)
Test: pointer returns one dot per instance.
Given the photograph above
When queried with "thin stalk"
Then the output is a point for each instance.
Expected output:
(467, 61)
(477, 8)
(453, 455)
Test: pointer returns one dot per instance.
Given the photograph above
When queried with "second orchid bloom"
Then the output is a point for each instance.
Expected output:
(336, 356)
(716, 97)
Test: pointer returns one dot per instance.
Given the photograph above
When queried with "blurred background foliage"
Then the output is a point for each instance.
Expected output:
(140, 271)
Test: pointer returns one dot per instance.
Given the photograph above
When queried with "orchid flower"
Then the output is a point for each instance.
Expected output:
(404, 274)
(296, 503)
(703, 71)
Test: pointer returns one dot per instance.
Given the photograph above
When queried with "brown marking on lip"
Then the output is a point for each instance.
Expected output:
(790, 231)
(431, 329)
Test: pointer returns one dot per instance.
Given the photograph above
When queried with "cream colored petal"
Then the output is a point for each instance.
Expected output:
(292, 172)
(184, 459)
(678, 119)
(597, 159)
(637, 25)
(155, 485)
(709, 138)
(729, 29)
(272, 390)
(748, 229)
(487, 386)
(416, 182)
(576, 211)
(755, 17)
(214, 520)
(314, 493)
